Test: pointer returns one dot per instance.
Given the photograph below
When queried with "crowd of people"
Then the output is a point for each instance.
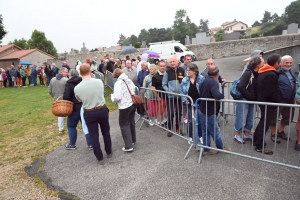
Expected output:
(24, 76)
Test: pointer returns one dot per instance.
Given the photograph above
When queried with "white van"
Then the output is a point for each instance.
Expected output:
(168, 49)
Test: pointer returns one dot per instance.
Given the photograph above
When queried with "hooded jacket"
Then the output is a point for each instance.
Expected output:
(248, 85)
(78, 66)
(121, 95)
(57, 86)
(69, 94)
(267, 85)
(143, 59)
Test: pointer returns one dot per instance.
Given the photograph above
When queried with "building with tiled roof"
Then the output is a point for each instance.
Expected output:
(12, 54)
(234, 26)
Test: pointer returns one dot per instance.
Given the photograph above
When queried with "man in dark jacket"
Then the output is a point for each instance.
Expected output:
(287, 86)
(14, 75)
(111, 65)
(142, 74)
(209, 121)
(267, 91)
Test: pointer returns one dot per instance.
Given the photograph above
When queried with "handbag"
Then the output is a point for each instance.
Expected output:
(135, 98)
(234, 91)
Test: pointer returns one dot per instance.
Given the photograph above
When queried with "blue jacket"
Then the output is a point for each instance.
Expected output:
(287, 90)
(172, 80)
(141, 76)
(185, 85)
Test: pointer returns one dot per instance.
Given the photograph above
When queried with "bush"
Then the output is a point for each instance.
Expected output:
(254, 35)
(137, 45)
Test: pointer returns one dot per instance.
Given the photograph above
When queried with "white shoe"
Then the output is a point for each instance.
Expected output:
(190, 141)
(127, 150)
(201, 140)
(185, 120)
(157, 122)
(151, 123)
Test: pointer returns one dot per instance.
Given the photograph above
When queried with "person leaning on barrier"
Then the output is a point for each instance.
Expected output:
(244, 112)
(207, 114)
(152, 103)
(267, 91)
(287, 87)
(161, 97)
(90, 92)
(297, 97)
(190, 86)
(171, 83)
(123, 98)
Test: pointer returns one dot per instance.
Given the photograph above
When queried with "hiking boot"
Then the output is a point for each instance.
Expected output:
(247, 138)
(127, 150)
(169, 134)
(101, 162)
(238, 139)
(210, 152)
(273, 138)
(283, 135)
(109, 156)
(70, 147)
(297, 146)
(266, 151)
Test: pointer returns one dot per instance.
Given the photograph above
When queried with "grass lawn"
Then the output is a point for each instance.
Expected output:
(28, 131)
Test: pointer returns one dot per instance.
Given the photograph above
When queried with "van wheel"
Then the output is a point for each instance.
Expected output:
(182, 59)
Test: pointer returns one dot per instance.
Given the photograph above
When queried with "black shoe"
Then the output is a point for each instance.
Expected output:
(70, 147)
(169, 134)
(273, 138)
(297, 146)
(283, 135)
(266, 151)
(90, 148)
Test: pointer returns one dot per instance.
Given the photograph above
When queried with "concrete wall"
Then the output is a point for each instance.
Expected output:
(242, 47)
(36, 58)
(293, 51)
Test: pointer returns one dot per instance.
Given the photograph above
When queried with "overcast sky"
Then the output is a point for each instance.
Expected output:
(69, 23)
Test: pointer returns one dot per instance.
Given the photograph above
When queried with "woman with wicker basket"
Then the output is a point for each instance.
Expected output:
(74, 118)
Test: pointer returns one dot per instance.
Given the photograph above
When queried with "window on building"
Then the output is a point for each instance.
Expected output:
(242, 27)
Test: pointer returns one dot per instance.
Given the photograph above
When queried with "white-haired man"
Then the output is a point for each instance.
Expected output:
(287, 87)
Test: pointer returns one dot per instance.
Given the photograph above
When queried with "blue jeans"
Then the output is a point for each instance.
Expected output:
(243, 117)
(48, 80)
(210, 122)
(173, 102)
(189, 110)
(33, 80)
(72, 122)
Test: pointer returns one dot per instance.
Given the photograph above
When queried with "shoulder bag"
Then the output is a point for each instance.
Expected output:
(135, 98)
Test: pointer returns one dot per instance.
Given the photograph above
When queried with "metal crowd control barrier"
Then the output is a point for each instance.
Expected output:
(167, 108)
(110, 80)
(283, 154)
(99, 75)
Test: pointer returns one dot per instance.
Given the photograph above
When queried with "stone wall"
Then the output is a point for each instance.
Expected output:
(205, 51)
(243, 46)
(72, 59)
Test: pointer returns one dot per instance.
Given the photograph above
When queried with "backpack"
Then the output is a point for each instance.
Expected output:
(234, 91)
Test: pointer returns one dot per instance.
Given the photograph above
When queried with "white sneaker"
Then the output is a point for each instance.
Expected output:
(201, 140)
(190, 141)
(127, 150)
(151, 123)
(157, 122)
(185, 120)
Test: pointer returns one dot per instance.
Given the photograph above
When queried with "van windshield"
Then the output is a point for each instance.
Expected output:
(184, 48)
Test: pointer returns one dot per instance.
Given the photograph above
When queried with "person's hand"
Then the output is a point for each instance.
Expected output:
(223, 80)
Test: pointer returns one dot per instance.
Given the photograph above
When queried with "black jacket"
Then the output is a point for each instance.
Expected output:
(48, 71)
(250, 92)
(69, 92)
(267, 87)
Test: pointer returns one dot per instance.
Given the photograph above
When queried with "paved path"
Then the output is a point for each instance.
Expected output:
(156, 169)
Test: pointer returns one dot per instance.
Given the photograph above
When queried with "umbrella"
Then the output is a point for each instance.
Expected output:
(25, 63)
(152, 54)
(129, 51)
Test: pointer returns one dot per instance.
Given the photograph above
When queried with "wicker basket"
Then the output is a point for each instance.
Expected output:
(62, 108)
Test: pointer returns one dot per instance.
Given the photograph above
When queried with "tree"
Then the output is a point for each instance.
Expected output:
(291, 14)
(256, 23)
(21, 43)
(275, 17)
(204, 25)
(39, 40)
(194, 29)
(267, 17)
(180, 27)
(219, 36)
(137, 45)
(133, 39)
(2, 31)
(122, 39)
(144, 36)
(188, 20)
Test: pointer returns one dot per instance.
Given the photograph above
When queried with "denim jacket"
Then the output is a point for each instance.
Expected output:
(185, 85)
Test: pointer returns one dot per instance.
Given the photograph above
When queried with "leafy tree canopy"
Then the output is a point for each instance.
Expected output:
(2, 31)
(39, 40)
